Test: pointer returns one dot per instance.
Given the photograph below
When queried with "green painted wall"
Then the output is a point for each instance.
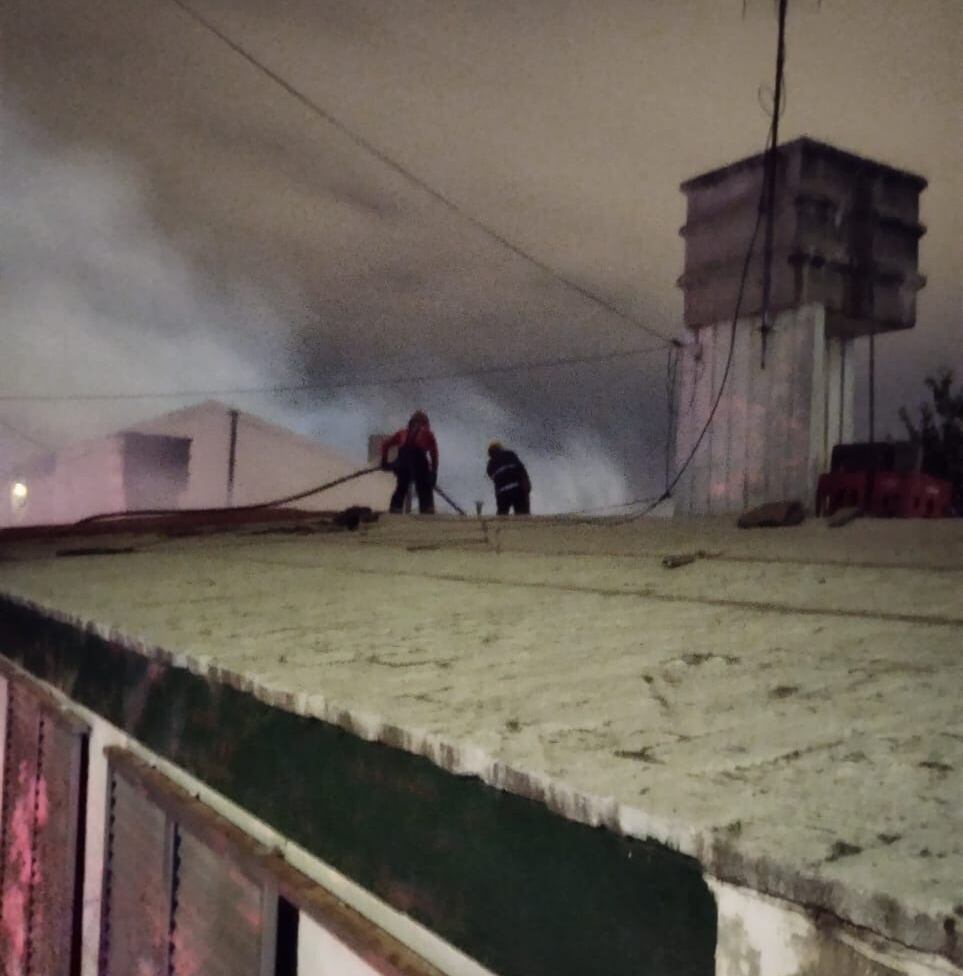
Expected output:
(522, 890)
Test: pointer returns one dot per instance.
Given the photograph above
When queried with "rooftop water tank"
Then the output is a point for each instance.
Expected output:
(846, 236)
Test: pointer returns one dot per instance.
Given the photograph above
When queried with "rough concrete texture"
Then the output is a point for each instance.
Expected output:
(785, 707)
(763, 936)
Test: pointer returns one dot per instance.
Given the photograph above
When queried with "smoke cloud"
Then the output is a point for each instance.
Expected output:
(96, 300)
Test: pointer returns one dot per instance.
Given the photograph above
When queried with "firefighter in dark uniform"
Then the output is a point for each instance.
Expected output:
(417, 462)
(512, 485)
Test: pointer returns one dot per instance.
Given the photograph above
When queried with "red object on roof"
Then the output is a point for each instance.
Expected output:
(885, 494)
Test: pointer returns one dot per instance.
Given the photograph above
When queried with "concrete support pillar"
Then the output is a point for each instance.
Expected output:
(774, 429)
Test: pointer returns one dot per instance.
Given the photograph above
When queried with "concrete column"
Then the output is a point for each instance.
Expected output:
(774, 428)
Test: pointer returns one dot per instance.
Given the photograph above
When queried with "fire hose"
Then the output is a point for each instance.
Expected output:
(272, 503)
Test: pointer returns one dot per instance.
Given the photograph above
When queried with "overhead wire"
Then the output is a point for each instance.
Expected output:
(420, 182)
(491, 370)
(671, 370)
(22, 434)
(770, 180)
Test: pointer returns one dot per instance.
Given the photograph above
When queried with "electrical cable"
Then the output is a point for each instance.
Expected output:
(767, 203)
(725, 373)
(770, 178)
(422, 184)
(610, 508)
(671, 369)
(23, 435)
(341, 384)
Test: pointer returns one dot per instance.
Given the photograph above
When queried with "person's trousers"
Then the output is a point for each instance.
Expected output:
(514, 498)
(412, 466)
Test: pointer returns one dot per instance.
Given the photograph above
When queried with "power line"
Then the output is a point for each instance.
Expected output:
(23, 435)
(338, 385)
(382, 156)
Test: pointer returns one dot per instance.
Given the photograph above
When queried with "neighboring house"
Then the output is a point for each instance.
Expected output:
(270, 461)
(111, 474)
(183, 460)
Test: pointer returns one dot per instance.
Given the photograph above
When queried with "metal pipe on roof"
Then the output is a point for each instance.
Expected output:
(231, 457)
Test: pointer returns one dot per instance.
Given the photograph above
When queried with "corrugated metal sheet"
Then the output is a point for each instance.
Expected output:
(220, 924)
(56, 922)
(136, 921)
(40, 866)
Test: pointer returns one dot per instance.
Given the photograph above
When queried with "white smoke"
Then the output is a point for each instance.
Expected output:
(94, 299)
(570, 471)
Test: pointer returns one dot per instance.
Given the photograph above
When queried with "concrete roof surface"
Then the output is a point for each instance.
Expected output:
(785, 707)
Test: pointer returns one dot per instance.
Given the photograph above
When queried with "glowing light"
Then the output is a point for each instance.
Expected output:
(19, 491)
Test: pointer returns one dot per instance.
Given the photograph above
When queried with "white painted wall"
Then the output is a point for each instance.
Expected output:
(774, 428)
(88, 478)
(321, 954)
(270, 461)
(83, 479)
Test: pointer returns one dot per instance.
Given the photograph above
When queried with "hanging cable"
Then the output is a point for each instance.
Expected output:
(23, 435)
(872, 385)
(725, 373)
(771, 170)
(409, 175)
(766, 202)
(671, 370)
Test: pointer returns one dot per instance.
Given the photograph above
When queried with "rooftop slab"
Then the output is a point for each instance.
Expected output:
(784, 707)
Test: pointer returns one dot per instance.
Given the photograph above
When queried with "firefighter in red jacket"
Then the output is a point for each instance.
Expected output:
(417, 461)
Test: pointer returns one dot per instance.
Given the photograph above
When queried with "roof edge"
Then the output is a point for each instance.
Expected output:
(803, 143)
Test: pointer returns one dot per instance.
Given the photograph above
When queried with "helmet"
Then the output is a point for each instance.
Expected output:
(494, 447)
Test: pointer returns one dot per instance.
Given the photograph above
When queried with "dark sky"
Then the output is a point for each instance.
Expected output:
(173, 220)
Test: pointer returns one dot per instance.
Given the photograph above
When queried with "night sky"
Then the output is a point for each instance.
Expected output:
(173, 220)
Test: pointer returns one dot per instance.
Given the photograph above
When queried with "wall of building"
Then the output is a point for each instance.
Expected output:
(774, 428)
(78, 481)
(267, 459)
(270, 462)
(757, 935)
(377, 936)
(321, 954)
(89, 478)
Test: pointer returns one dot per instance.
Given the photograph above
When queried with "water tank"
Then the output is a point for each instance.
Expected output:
(846, 236)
